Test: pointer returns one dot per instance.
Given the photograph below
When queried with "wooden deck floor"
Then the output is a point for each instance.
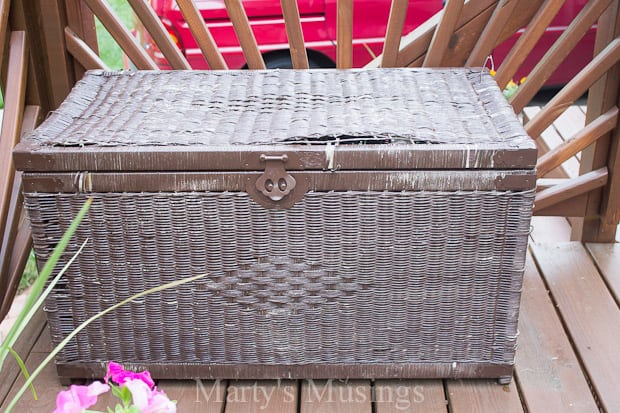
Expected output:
(567, 359)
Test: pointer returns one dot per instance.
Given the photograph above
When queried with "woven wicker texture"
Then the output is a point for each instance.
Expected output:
(460, 106)
(340, 277)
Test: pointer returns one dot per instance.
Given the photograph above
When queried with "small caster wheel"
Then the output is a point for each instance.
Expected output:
(504, 380)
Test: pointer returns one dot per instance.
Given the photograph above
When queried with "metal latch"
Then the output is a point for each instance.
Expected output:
(275, 183)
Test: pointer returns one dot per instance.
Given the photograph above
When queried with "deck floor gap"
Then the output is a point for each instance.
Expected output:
(225, 401)
(299, 385)
(447, 395)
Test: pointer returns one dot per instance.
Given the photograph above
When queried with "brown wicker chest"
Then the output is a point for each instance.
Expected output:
(360, 224)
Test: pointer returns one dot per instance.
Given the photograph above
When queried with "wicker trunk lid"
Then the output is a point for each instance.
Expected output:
(362, 223)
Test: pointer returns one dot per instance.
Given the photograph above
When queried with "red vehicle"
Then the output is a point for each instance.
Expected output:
(318, 18)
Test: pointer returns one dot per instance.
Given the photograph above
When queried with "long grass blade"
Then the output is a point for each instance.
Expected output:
(22, 367)
(75, 332)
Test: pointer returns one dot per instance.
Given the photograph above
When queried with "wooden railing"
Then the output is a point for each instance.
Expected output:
(52, 42)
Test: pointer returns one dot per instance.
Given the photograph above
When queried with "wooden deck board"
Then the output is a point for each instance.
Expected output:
(266, 395)
(545, 229)
(567, 349)
(330, 396)
(547, 369)
(412, 396)
(196, 396)
(607, 258)
(465, 396)
(589, 311)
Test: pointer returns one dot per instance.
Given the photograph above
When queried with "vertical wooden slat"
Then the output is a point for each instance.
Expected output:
(7, 245)
(344, 34)
(527, 41)
(574, 89)
(600, 224)
(245, 35)
(24, 18)
(396, 22)
(12, 117)
(610, 208)
(11, 124)
(81, 20)
(471, 20)
(491, 33)
(558, 52)
(89, 30)
(123, 37)
(17, 240)
(443, 32)
(59, 74)
(4, 25)
(160, 36)
(82, 52)
(290, 11)
(202, 34)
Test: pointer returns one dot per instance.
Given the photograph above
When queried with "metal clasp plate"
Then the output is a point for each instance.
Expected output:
(276, 188)
(276, 182)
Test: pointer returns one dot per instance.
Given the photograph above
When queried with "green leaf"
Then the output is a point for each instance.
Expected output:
(116, 391)
(24, 370)
(510, 91)
(125, 396)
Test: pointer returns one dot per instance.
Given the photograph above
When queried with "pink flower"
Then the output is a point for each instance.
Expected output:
(119, 375)
(149, 400)
(79, 398)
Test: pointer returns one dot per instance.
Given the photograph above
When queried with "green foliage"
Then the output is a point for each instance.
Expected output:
(30, 274)
(1, 101)
(109, 51)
